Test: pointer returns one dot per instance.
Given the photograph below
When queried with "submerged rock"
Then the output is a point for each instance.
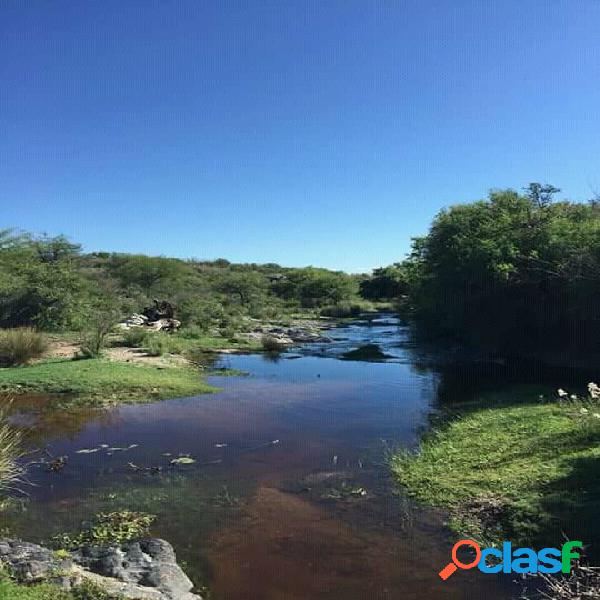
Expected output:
(145, 569)
(367, 352)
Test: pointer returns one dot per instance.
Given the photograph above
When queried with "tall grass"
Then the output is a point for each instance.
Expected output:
(10, 451)
(342, 310)
(19, 346)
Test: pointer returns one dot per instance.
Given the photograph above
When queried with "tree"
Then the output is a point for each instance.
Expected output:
(386, 283)
(511, 271)
(153, 274)
(244, 286)
(312, 287)
(40, 281)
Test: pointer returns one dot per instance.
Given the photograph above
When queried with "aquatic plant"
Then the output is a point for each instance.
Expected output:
(107, 528)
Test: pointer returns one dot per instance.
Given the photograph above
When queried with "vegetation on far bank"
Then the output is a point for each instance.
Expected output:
(526, 470)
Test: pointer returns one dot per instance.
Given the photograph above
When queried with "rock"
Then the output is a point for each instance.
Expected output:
(160, 310)
(145, 569)
(30, 562)
(164, 325)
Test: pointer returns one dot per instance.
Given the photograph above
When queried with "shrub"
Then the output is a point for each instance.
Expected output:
(135, 337)
(192, 333)
(19, 346)
(272, 344)
(100, 322)
(342, 310)
(158, 344)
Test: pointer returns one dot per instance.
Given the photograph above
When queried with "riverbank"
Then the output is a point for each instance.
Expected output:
(98, 381)
(140, 368)
(525, 469)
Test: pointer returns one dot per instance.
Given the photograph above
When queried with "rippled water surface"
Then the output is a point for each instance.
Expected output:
(289, 497)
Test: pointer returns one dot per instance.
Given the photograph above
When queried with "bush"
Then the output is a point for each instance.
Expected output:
(19, 346)
(98, 325)
(158, 344)
(272, 344)
(135, 337)
(342, 310)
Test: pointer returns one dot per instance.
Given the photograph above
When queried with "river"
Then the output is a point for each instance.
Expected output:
(289, 497)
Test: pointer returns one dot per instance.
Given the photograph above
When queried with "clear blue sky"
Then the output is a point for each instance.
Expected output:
(324, 133)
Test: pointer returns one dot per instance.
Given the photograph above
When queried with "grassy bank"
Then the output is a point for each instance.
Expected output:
(96, 381)
(527, 470)
(10, 590)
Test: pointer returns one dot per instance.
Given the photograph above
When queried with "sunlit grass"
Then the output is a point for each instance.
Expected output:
(98, 381)
(521, 471)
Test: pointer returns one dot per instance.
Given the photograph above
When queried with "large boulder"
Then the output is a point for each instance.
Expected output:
(145, 569)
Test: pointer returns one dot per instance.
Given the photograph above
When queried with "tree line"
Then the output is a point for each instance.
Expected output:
(517, 270)
(49, 283)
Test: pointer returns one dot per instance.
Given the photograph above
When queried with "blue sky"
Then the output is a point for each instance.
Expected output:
(324, 133)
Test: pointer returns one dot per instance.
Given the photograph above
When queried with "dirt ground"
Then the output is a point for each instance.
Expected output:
(63, 349)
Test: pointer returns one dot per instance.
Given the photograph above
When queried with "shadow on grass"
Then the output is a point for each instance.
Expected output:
(573, 502)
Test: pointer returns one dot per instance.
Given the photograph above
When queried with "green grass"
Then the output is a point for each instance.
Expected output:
(215, 343)
(9, 590)
(97, 381)
(13, 591)
(525, 471)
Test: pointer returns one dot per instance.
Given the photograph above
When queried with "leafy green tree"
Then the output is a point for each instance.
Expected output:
(242, 286)
(312, 287)
(386, 283)
(40, 281)
(510, 272)
(152, 274)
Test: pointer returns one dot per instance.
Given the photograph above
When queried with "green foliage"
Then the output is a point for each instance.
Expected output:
(152, 274)
(202, 313)
(19, 346)
(135, 337)
(342, 310)
(512, 272)
(243, 286)
(48, 283)
(106, 529)
(100, 319)
(90, 591)
(98, 381)
(10, 590)
(40, 282)
(312, 287)
(159, 344)
(386, 283)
